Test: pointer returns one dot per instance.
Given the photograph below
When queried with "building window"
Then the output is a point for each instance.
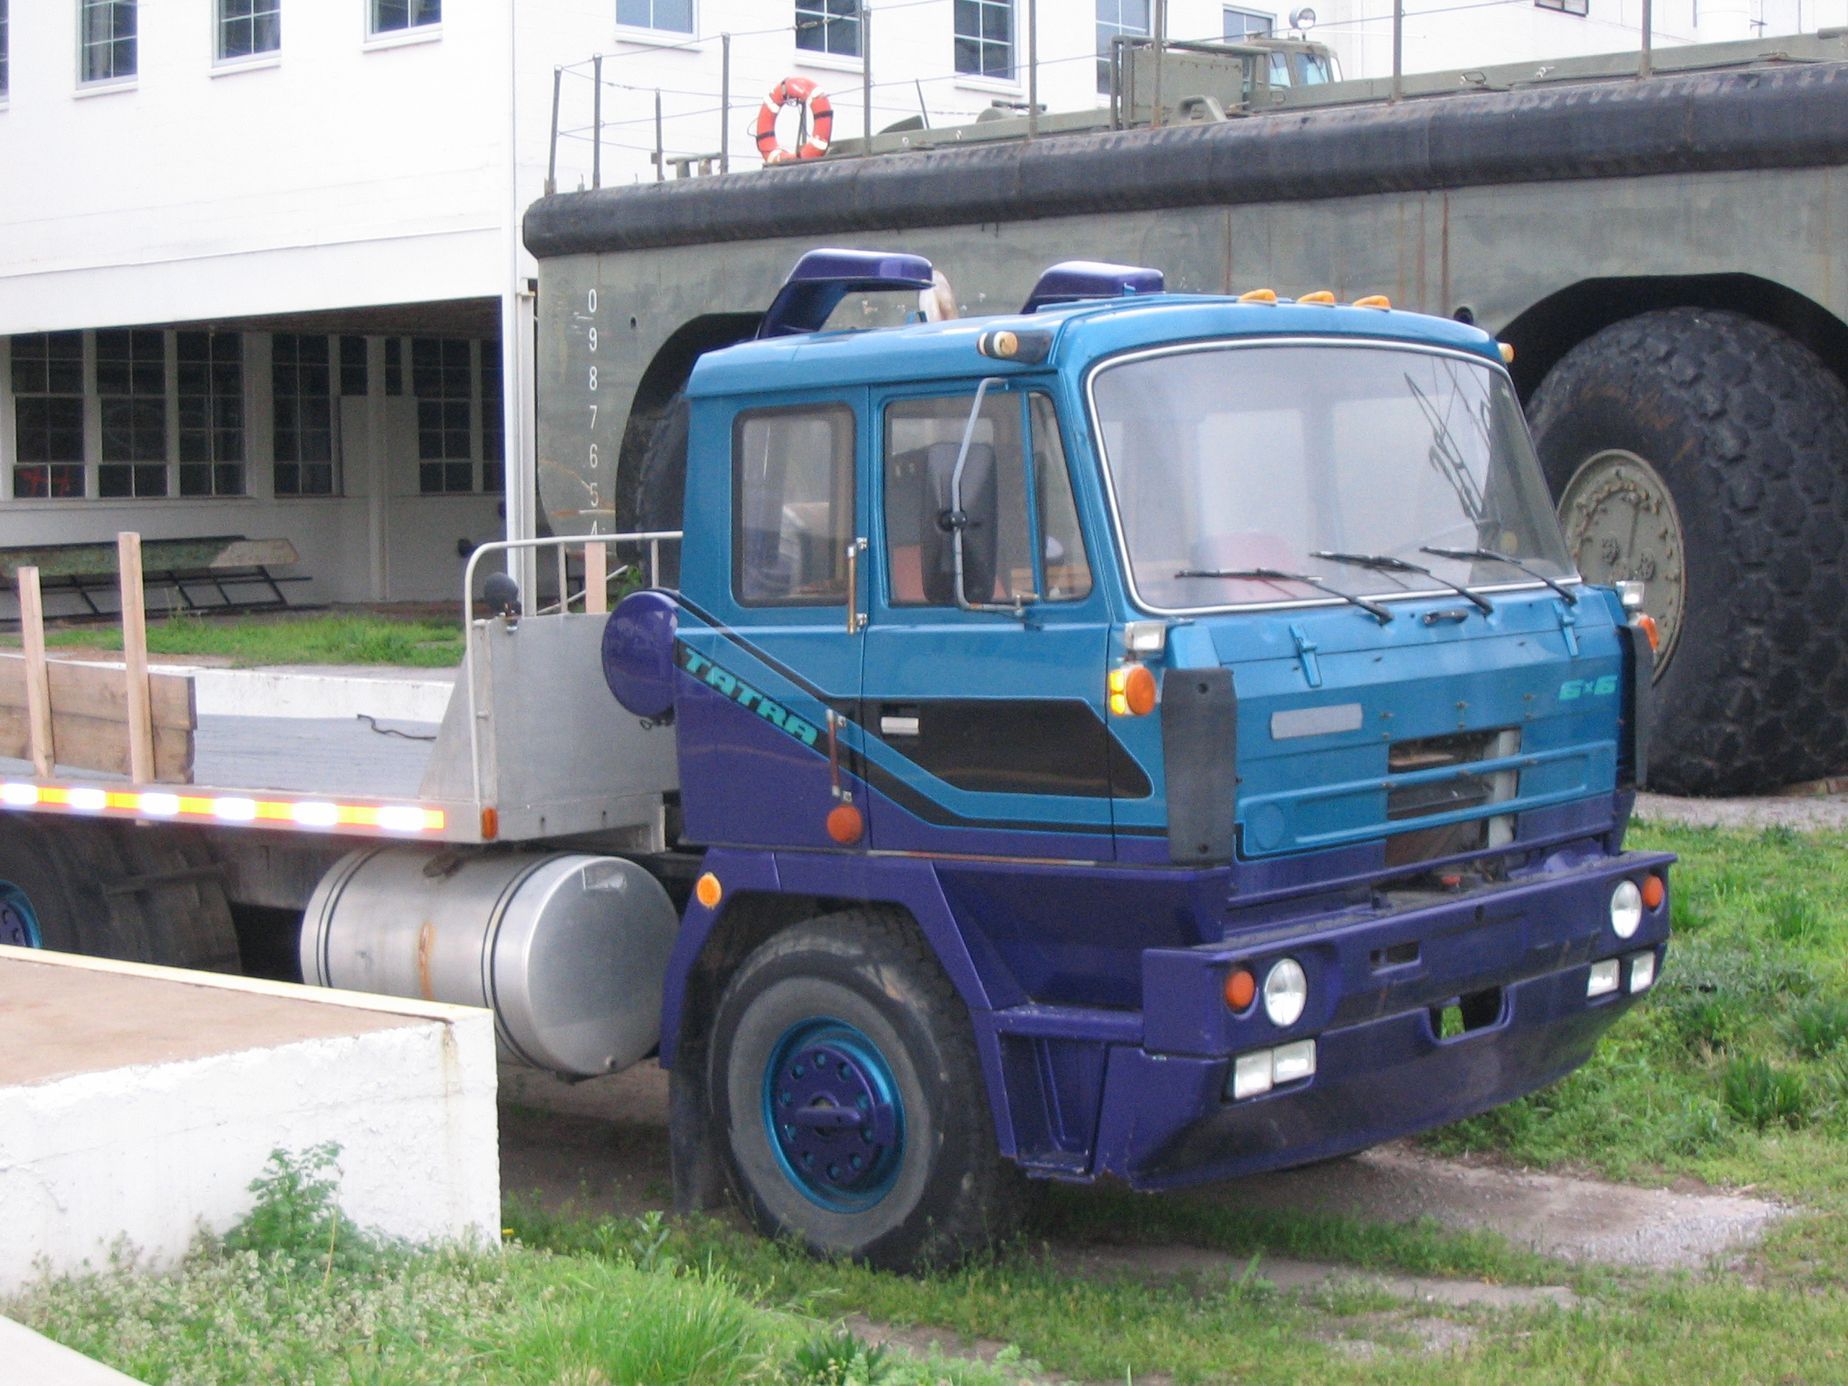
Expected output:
(440, 378)
(1244, 24)
(131, 388)
(394, 366)
(493, 421)
(396, 16)
(248, 28)
(985, 38)
(675, 15)
(210, 372)
(353, 366)
(1116, 18)
(107, 29)
(1578, 7)
(302, 383)
(828, 26)
(48, 414)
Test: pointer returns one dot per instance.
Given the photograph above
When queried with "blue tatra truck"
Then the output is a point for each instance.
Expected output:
(1149, 736)
(1145, 735)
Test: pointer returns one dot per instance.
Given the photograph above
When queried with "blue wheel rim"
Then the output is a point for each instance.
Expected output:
(19, 924)
(832, 1111)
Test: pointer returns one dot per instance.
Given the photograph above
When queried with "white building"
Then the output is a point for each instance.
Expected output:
(260, 267)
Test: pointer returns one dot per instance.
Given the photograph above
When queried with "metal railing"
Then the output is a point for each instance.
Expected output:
(593, 544)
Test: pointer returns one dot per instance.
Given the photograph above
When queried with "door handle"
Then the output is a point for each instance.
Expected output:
(856, 618)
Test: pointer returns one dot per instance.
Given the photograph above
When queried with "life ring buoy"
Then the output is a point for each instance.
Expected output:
(795, 91)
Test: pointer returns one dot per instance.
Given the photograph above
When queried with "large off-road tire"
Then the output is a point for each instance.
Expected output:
(846, 1092)
(1707, 454)
(112, 890)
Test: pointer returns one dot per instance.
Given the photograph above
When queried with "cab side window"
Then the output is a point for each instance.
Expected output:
(792, 505)
(923, 438)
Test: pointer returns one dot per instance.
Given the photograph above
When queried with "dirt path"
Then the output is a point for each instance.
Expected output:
(604, 1144)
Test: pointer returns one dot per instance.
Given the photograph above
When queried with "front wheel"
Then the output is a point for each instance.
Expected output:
(845, 1085)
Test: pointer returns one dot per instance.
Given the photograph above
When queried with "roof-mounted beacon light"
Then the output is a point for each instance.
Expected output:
(822, 278)
(1073, 281)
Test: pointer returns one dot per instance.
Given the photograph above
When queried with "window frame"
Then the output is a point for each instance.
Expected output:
(6, 52)
(844, 419)
(1116, 28)
(818, 15)
(116, 76)
(52, 468)
(980, 73)
(1227, 11)
(1578, 9)
(412, 29)
(256, 10)
(332, 397)
(445, 467)
(653, 27)
(215, 466)
(131, 402)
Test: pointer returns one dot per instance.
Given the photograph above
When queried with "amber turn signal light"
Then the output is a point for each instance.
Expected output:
(1132, 690)
(1646, 623)
(1654, 892)
(1241, 989)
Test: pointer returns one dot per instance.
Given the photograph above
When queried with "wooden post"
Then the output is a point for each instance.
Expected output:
(596, 581)
(135, 657)
(38, 676)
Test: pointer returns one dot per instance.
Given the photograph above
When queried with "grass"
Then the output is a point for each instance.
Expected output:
(1734, 1072)
(320, 638)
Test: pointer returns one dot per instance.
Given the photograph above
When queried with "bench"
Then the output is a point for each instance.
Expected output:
(214, 573)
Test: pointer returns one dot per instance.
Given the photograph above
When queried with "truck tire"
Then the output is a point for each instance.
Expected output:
(851, 1012)
(661, 498)
(62, 887)
(1707, 454)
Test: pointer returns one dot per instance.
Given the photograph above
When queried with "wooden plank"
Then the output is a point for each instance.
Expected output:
(135, 657)
(37, 678)
(95, 690)
(90, 743)
(254, 553)
(596, 582)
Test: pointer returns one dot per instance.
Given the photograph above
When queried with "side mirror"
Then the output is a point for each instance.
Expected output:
(963, 514)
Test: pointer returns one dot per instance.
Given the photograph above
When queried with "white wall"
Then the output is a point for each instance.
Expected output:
(150, 1151)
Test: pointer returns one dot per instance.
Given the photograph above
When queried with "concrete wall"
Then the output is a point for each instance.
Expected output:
(148, 1148)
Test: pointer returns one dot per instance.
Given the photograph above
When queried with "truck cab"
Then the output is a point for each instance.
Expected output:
(1199, 685)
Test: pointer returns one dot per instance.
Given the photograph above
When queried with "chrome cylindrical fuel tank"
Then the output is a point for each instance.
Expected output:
(567, 949)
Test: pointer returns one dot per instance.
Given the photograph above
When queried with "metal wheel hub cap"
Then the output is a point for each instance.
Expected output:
(834, 1115)
(19, 926)
(1621, 525)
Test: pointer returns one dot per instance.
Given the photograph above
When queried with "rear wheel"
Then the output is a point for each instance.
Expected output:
(847, 1092)
(1703, 452)
(111, 890)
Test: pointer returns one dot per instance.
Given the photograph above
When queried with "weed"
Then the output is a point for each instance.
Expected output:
(1761, 1095)
(839, 1358)
(297, 1218)
(1820, 1026)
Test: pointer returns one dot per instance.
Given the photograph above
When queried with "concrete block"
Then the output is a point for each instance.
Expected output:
(139, 1102)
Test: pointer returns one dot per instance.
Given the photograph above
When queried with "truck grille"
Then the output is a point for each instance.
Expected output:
(1433, 794)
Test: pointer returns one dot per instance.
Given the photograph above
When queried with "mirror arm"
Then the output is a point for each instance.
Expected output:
(956, 505)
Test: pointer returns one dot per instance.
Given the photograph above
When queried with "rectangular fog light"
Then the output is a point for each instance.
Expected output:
(1251, 1074)
(1642, 970)
(1603, 980)
(1291, 1063)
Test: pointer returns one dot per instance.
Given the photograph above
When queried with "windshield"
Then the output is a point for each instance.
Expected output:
(1233, 465)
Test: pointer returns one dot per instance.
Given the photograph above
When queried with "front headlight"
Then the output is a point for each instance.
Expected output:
(1286, 993)
(1626, 909)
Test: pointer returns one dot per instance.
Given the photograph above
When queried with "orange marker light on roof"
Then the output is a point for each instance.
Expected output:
(1258, 296)
(1319, 296)
(1373, 301)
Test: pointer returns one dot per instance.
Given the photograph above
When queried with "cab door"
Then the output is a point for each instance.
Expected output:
(769, 654)
(984, 720)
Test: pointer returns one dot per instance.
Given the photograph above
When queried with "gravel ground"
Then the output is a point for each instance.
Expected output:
(1796, 809)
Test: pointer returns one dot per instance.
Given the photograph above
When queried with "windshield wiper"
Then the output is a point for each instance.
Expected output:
(1571, 597)
(1373, 609)
(1386, 563)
